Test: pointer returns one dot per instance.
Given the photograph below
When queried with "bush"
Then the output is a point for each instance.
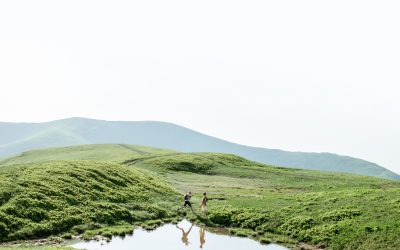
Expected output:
(3, 230)
(249, 218)
(293, 226)
(241, 233)
(222, 216)
(195, 163)
(67, 236)
(339, 215)
(265, 240)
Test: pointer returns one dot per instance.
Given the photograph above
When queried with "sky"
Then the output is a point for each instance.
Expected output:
(319, 76)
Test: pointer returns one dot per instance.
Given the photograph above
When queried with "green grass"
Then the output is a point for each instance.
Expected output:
(96, 152)
(270, 204)
(109, 231)
(201, 163)
(338, 211)
(42, 199)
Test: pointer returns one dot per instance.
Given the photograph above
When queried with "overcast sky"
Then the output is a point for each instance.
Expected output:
(320, 76)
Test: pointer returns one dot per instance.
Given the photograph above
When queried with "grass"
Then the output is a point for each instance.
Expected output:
(270, 204)
(337, 211)
(97, 152)
(42, 199)
(109, 231)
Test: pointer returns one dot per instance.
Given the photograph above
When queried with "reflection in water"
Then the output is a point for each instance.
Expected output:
(167, 238)
(202, 237)
(185, 234)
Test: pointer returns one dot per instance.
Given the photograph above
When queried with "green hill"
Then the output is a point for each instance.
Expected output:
(331, 210)
(19, 137)
(42, 199)
(284, 205)
(96, 152)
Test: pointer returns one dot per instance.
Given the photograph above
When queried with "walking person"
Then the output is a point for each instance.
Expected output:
(187, 198)
(204, 204)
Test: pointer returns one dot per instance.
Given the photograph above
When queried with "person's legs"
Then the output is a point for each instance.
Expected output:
(190, 205)
(203, 209)
(184, 205)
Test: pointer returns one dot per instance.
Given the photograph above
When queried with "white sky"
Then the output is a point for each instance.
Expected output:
(317, 76)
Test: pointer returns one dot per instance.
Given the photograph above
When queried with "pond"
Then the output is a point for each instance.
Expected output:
(185, 236)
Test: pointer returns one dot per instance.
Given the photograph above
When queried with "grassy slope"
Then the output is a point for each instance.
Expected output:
(41, 199)
(20, 137)
(97, 152)
(327, 209)
(339, 211)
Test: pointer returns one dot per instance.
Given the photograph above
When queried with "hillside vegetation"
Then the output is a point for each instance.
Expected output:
(19, 137)
(42, 199)
(271, 204)
(337, 211)
(101, 152)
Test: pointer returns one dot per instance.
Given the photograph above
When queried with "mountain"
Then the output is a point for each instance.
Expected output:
(19, 137)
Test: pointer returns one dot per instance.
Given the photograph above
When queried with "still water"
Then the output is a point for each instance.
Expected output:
(185, 236)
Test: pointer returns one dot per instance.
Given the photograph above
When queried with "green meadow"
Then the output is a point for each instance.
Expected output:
(74, 190)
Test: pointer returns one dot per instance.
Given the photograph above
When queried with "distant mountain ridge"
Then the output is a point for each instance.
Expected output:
(19, 137)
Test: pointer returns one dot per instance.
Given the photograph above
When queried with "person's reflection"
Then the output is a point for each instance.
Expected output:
(202, 237)
(185, 235)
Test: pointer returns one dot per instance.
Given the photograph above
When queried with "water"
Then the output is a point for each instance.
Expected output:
(185, 236)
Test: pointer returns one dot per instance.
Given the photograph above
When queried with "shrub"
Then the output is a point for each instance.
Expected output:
(249, 218)
(241, 233)
(222, 216)
(265, 240)
(293, 226)
(339, 215)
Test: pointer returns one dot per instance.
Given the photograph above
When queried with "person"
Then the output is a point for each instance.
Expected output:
(185, 235)
(204, 203)
(187, 200)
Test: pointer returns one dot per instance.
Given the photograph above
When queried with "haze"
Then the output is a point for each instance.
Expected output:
(296, 75)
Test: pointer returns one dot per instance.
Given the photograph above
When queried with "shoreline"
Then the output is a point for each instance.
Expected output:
(59, 241)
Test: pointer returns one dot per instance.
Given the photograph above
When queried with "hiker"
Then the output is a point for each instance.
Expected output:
(204, 204)
(187, 200)
(185, 238)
